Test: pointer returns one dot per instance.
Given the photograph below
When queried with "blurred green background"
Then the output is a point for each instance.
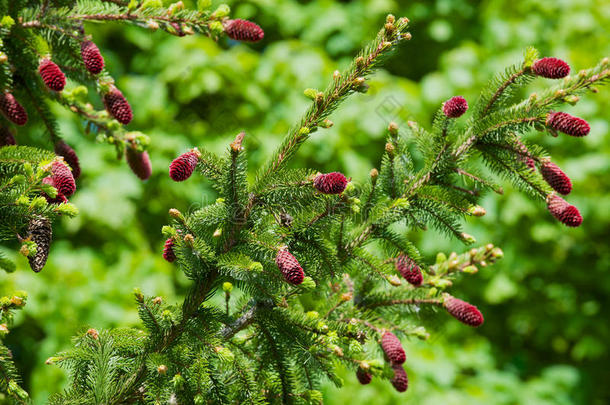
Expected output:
(545, 339)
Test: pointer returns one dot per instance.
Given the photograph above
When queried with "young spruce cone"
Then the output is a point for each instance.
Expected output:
(563, 211)
(59, 198)
(556, 178)
(464, 312)
(290, 267)
(40, 232)
(62, 178)
(243, 30)
(139, 162)
(117, 105)
(363, 377)
(331, 183)
(568, 124)
(551, 68)
(6, 137)
(168, 250)
(392, 348)
(455, 107)
(92, 58)
(64, 150)
(400, 380)
(183, 166)
(409, 270)
(52, 76)
(12, 110)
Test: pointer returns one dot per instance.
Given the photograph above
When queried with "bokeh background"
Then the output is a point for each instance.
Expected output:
(545, 339)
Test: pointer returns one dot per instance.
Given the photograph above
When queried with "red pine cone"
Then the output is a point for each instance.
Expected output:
(455, 107)
(59, 198)
(330, 183)
(244, 30)
(464, 312)
(117, 105)
(6, 137)
(551, 68)
(40, 231)
(393, 348)
(568, 124)
(556, 178)
(400, 380)
(139, 162)
(62, 178)
(168, 250)
(64, 150)
(92, 58)
(525, 156)
(52, 76)
(409, 270)
(290, 267)
(363, 377)
(12, 110)
(183, 166)
(563, 211)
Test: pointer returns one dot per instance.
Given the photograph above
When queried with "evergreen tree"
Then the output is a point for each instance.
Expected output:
(44, 43)
(297, 272)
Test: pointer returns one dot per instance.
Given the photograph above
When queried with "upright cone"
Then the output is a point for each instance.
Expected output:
(464, 312)
(564, 212)
(290, 267)
(243, 30)
(117, 105)
(62, 178)
(568, 124)
(12, 110)
(92, 58)
(409, 270)
(400, 380)
(64, 150)
(556, 178)
(393, 348)
(51, 74)
(139, 162)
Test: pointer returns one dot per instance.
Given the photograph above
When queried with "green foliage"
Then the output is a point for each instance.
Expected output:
(529, 327)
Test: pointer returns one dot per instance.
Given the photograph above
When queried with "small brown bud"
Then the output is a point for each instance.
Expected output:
(189, 239)
(393, 128)
(236, 144)
(346, 296)
(390, 149)
(93, 333)
(374, 173)
(162, 369)
(157, 301)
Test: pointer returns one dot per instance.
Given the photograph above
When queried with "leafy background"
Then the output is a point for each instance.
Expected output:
(547, 327)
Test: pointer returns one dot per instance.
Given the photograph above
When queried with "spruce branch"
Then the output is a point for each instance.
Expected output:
(349, 81)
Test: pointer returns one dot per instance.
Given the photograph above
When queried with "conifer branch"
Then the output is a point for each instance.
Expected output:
(513, 77)
(351, 80)
(409, 301)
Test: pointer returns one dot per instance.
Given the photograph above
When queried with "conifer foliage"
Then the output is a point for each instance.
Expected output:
(44, 43)
(294, 274)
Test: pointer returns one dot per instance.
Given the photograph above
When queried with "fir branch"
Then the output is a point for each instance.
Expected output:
(409, 301)
(511, 80)
(326, 102)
